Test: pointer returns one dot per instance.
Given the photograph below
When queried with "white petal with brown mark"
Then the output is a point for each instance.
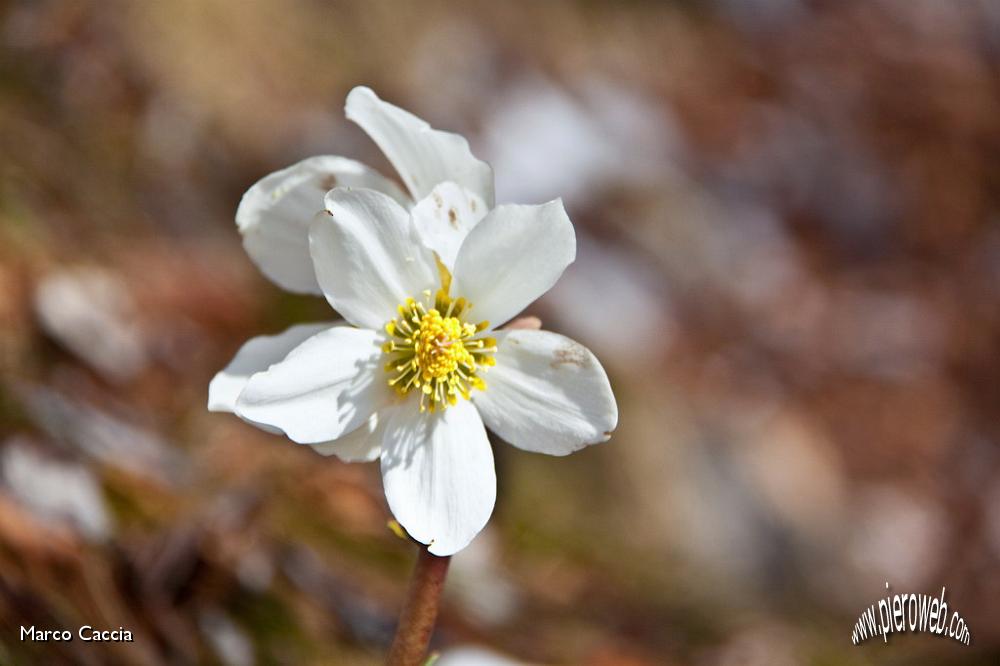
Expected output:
(275, 213)
(547, 394)
(445, 218)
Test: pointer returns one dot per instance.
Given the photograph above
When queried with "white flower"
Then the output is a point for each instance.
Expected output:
(275, 213)
(405, 380)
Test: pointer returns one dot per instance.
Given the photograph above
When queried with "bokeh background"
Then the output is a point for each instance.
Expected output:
(789, 263)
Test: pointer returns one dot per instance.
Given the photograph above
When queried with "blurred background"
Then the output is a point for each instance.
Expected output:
(789, 263)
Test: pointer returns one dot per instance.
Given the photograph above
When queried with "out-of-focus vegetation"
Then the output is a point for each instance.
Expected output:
(789, 262)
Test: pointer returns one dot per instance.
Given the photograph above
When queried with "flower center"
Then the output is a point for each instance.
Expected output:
(432, 348)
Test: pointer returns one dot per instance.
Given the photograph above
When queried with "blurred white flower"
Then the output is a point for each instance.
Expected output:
(403, 381)
(56, 491)
(471, 655)
(90, 311)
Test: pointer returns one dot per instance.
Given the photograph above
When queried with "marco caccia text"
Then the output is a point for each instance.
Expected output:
(85, 633)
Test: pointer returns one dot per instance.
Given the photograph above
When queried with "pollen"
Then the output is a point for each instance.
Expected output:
(433, 350)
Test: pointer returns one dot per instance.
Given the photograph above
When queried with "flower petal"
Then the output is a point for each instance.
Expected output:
(275, 213)
(547, 394)
(256, 355)
(363, 444)
(423, 156)
(438, 474)
(445, 218)
(512, 257)
(368, 256)
(326, 387)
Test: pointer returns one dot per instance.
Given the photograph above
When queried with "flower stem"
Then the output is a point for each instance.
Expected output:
(416, 622)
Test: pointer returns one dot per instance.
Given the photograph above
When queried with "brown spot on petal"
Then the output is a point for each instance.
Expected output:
(438, 201)
(572, 354)
(453, 217)
(472, 205)
(328, 183)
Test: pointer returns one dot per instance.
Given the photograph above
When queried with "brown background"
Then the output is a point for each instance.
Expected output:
(789, 264)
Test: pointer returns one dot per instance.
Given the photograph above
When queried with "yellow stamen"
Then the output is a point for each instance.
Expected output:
(432, 349)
